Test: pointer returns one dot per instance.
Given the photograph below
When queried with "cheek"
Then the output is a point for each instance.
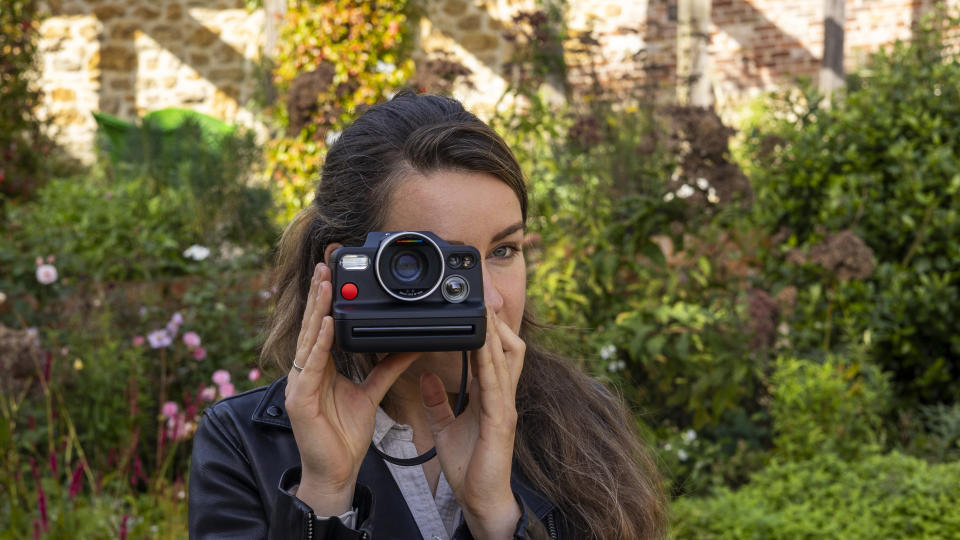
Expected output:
(515, 297)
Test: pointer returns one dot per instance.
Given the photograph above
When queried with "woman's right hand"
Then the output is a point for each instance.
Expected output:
(332, 416)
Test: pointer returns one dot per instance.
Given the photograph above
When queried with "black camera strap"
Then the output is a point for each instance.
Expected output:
(429, 454)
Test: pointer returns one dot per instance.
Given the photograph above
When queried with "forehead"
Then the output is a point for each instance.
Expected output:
(467, 206)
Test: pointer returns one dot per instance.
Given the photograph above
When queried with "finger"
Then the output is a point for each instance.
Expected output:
(485, 374)
(385, 373)
(312, 327)
(435, 403)
(319, 369)
(497, 356)
(514, 349)
(308, 307)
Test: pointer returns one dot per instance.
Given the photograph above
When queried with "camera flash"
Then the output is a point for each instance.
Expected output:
(354, 262)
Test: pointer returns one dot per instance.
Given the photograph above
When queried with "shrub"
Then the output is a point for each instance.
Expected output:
(833, 406)
(23, 148)
(879, 496)
(865, 196)
(335, 57)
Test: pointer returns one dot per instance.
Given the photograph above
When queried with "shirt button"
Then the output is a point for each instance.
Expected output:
(274, 411)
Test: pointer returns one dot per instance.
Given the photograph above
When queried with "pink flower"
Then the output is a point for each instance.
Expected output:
(208, 393)
(46, 274)
(159, 339)
(199, 353)
(137, 341)
(76, 481)
(170, 409)
(221, 377)
(254, 374)
(191, 340)
(226, 390)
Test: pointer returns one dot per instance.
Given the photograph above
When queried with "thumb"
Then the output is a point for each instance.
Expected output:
(435, 402)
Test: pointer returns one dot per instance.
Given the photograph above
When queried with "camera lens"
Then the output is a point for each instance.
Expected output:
(406, 266)
(409, 265)
(455, 289)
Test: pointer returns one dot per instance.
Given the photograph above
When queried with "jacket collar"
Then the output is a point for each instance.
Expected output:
(271, 411)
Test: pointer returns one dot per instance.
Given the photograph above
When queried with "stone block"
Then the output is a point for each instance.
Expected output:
(54, 30)
(66, 63)
(89, 31)
(93, 64)
(123, 30)
(146, 13)
(69, 117)
(118, 58)
(109, 11)
(203, 37)
(63, 94)
(174, 12)
(226, 74)
(470, 22)
(477, 41)
(120, 84)
(165, 34)
(454, 7)
(199, 60)
(612, 10)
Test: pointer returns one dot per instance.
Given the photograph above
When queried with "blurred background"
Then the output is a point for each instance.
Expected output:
(745, 220)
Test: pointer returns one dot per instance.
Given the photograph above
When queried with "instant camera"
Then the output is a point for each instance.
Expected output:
(408, 291)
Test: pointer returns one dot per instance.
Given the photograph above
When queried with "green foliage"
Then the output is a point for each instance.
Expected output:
(883, 161)
(335, 57)
(879, 496)
(211, 163)
(833, 406)
(23, 148)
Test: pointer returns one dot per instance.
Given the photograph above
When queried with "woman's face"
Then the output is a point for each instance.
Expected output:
(478, 210)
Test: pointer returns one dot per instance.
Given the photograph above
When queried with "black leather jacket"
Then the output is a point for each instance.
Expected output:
(245, 460)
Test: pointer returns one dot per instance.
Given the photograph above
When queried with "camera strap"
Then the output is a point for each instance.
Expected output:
(429, 454)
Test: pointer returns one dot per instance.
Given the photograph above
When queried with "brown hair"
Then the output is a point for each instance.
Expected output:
(575, 441)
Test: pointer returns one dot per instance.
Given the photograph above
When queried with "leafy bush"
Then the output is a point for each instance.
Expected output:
(832, 406)
(865, 195)
(23, 147)
(879, 496)
(334, 58)
(212, 163)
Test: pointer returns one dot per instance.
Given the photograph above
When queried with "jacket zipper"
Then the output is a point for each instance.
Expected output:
(551, 526)
(309, 525)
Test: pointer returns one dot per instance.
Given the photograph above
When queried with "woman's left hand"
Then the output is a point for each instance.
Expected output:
(476, 448)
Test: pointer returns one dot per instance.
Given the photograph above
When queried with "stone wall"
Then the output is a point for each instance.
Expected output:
(127, 57)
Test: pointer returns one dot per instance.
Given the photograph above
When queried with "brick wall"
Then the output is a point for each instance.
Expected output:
(127, 57)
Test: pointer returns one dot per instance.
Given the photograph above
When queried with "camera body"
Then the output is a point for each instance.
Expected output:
(408, 291)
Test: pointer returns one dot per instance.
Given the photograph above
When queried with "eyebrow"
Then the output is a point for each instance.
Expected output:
(518, 226)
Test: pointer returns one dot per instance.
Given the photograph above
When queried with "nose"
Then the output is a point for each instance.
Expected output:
(491, 295)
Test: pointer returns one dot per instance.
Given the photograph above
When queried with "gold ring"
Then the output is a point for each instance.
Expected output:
(295, 366)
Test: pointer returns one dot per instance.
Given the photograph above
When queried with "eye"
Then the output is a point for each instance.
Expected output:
(505, 252)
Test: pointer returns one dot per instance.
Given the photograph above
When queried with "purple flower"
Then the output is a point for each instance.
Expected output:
(176, 319)
(159, 339)
(208, 393)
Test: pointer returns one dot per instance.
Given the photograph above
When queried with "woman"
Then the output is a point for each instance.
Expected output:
(540, 451)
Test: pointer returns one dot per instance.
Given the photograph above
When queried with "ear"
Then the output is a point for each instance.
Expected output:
(331, 247)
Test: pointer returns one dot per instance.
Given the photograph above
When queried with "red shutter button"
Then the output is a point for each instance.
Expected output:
(348, 291)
